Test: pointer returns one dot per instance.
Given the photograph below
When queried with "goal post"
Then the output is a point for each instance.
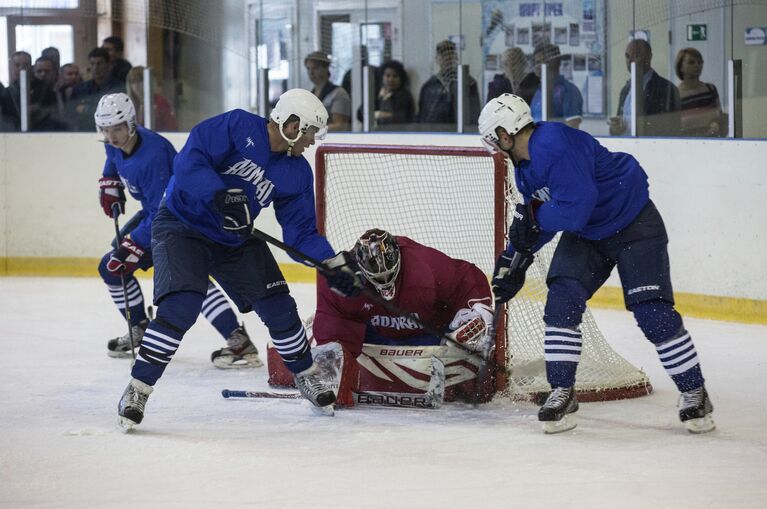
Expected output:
(459, 200)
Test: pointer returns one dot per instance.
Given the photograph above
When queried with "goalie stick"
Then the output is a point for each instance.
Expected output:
(483, 370)
(119, 238)
(372, 294)
(434, 396)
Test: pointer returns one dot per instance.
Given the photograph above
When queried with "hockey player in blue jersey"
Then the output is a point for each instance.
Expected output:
(142, 161)
(232, 166)
(600, 201)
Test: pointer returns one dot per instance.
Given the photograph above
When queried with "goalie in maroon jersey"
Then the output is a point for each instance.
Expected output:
(394, 353)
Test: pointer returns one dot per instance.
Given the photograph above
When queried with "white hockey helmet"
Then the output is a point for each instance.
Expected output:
(378, 257)
(307, 107)
(115, 109)
(508, 111)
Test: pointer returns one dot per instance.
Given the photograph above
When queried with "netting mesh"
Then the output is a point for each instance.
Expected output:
(602, 373)
(447, 201)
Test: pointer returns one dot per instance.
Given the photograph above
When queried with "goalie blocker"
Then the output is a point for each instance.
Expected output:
(397, 374)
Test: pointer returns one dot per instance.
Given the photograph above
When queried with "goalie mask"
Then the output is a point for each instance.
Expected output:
(115, 109)
(378, 256)
(310, 111)
(508, 111)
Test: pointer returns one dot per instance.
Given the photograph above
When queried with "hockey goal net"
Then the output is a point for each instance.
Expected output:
(459, 200)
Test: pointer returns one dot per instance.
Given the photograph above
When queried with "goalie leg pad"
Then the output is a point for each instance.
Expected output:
(408, 369)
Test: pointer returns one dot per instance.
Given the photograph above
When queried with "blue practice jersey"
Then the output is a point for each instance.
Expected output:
(586, 189)
(145, 174)
(232, 151)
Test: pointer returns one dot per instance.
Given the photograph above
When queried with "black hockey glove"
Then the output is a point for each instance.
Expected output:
(234, 207)
(509, 275)
(523, 232)
(343, 274)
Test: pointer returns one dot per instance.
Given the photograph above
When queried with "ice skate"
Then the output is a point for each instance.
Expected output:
(556, 412)
(121, 346)
(312, 387)
(132, 403)
(695, 410)
(240, 352)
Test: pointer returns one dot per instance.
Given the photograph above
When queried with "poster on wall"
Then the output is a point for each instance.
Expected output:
(575, 26)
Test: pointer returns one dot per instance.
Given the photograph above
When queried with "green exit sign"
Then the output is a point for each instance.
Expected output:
(697, 33)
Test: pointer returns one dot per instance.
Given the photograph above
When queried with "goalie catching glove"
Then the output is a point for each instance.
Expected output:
(343, 274)
(111, 193)
(234, 207)
(125, 258)
(470, 326)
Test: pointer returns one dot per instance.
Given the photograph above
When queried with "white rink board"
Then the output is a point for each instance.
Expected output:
(712, 194)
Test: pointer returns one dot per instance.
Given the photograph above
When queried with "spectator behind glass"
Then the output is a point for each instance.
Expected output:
(10, 102)
(53, 54)
(515, 69)
(438, 99)
(564, 99)
(701, 113)
(335, 98)
(394, 102)
(44, 107)
(69, 78)
(658, 104)
(164, 118)
(118, 66)
(85, 96)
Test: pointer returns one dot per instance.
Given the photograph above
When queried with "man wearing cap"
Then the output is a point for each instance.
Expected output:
(335, 98)
(565, 100)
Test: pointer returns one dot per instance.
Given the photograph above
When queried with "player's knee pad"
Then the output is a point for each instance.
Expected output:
(565, 303)
(658, 320)
(109, 278)
(278, 312)
(180, 309)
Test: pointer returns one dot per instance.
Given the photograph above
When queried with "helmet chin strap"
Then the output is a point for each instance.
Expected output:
(511, 150)
(290, 142)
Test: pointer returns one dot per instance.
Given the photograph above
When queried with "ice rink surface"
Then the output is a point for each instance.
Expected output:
(60, 447)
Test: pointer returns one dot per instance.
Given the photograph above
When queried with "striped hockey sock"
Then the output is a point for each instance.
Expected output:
(562, 352)
(158, 345)
(135, 299)
(293, 347)
(216, 309)
(680, 359)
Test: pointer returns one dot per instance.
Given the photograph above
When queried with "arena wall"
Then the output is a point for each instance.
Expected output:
(712, 194)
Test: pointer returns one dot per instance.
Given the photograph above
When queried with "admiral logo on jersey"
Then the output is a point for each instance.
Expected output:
(131, 188)
(394, 322)
(542, 194)
(249, 171)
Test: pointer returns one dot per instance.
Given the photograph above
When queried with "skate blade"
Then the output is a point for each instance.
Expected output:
(125, 424)
(323, 411)
(246, 361)
(119, 355)
(701, 425)
(567, 423)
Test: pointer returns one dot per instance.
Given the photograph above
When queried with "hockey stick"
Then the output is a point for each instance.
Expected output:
(482, 372)
(371, 294)
(118, 236)
(432, 398)
(389, 399)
